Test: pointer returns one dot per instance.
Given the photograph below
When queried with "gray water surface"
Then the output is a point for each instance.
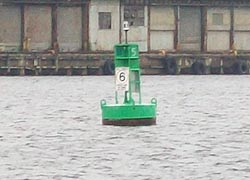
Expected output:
(50, 128)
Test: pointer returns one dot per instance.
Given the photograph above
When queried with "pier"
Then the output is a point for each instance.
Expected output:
(37, 64)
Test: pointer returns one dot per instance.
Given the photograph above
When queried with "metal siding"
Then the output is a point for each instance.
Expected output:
(162, 18)
(218, 41)
(242, 19)
(226, 19)
(242, 28)
(69, 28)
(10, 31)
(218, 36)
(104, 39)
(162, 29)
(190, 28)
(37, 25)
(241, 40)
(138, 34)
(162, 40)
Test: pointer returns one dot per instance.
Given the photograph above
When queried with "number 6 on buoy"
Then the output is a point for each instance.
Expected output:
(122, 77)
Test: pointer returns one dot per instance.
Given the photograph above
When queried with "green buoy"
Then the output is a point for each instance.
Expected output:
(128, 109)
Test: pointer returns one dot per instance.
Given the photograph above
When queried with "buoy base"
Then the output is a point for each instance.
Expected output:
(130, 122)
(129, 114)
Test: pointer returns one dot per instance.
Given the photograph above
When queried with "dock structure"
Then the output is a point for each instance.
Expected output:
(151, 64)
(76, 37)
(46, 64)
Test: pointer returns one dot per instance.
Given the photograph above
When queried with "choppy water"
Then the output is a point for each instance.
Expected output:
(50, 128)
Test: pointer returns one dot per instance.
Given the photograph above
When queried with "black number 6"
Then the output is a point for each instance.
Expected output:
(122, 76)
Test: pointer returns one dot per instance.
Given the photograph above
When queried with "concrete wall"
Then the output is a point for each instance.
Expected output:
(218, 35)
(10, 31)
(242, 28)
(162, 26)
(103, 39)
(69, 29)
(37, 27)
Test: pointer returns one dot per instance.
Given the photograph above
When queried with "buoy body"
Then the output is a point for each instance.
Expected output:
(129, 114)
(128, 109)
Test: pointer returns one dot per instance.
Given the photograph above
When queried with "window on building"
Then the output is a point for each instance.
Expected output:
(104, 20)
(217, 19)
(134, 15)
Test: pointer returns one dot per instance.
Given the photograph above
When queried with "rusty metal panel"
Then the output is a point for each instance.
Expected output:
(162, 18)
(190, 28)
(218, 19)
(102, 39)
(37, 27)
(10, 31)
(69, 29)
(218, 41)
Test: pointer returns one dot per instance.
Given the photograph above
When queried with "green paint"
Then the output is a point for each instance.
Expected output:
(128, 111)
(128, 82)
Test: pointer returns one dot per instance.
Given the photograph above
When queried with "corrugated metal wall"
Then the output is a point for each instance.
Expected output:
(162, 26)
(10, 29)
(190, 28)
(38, 27)
(218, 25)
(69, 20)
(242, 28)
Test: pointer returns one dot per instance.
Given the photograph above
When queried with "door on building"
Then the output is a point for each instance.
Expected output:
(104, 24)
(190, 28)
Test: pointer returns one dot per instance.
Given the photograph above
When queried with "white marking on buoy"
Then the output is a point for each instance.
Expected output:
(122, 78)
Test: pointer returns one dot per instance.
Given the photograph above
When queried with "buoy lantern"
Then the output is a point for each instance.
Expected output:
(128, 109)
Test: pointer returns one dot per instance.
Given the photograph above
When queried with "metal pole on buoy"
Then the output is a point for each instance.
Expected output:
(128, 109)
(126, 29)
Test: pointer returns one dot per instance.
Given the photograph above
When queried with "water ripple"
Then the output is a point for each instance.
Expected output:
(51, 129)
